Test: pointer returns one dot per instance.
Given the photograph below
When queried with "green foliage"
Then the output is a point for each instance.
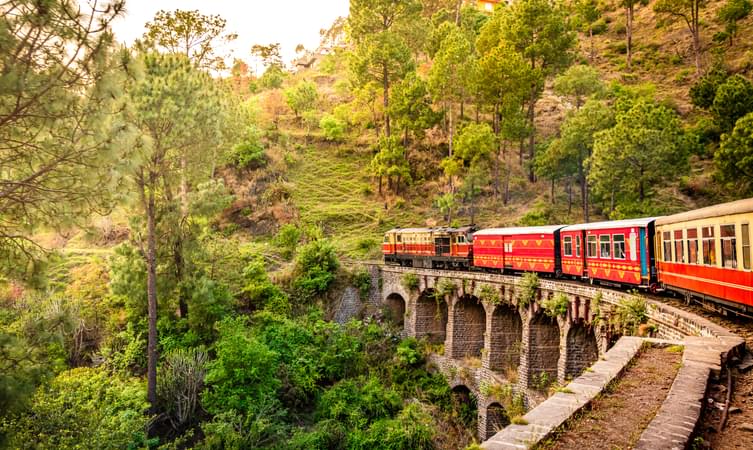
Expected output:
(579, 82)
(332, 127)
(180, 380)
(703, 91)
(302, 97)
(359, 402)
(315, 268)
(272, 77)
(390, 161)
(488, 294)
(645, 149)
(735, 155)
(259, 292)
(362, 281)
(529, 287)
(733, 100)
(410, 105)
(629, 314)
(249, 153)
(540, 214)
(243, 375)
(82, 408)
(413, 428)
(476, 141)
(443, 288)
(446, 204)
(208, 303)
(410, 281)
(287, 239)
(556, 306)
(731, 13)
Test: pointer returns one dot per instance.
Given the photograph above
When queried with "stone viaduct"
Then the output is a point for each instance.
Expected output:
(492, 343)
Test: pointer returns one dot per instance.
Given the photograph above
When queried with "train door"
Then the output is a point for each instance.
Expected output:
(442, 245)
(644, 253)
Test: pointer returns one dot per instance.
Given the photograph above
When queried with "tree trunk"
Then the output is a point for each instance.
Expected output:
(380, 185)
(506, 197)
(178, 244)
(583, 191)
(629, 36)
(151, 291)
(591, 40)
(569, 196)
(697, 49)
(462, 109)
(551, 194)
(531, 138)
(386, 94)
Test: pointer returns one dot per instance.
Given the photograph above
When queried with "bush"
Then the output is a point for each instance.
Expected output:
(410, 281)
(332, 127)
(180, 380)
(287, 239)
(243, 376)
(630, 313)
(556, 306)
(362, 281)
(529, 286)
(315, 269)
(249, 153)
(260, 292)
(82, 408)
(208, 303)
(358, 402)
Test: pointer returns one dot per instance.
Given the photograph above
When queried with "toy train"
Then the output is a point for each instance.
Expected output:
(703, 255)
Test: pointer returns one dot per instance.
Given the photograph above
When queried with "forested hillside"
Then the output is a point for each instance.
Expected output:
(176, 231)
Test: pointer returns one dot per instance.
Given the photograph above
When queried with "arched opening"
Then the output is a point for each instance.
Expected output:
(505, 338)
(468, 327)
(496, 420)
(394, 309)
(465, 405)
(543, 351)
(431, 317)
(582, 349)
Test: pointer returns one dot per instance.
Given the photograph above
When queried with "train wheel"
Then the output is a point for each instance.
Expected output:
(652, 288)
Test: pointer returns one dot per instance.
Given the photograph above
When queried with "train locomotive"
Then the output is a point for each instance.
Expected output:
(703, 255)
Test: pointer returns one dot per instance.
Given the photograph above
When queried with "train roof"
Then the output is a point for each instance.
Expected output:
(547, 229)
(725, 209)
(431, 230)
(611, 224)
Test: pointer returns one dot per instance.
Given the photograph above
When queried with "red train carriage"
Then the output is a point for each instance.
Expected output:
(706, 254)
(428, 247)
(616, 252)
(532, 249)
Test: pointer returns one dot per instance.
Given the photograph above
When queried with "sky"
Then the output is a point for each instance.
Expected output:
(289, 22)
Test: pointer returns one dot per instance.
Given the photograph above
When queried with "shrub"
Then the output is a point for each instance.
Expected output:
(362, 280)
(315, 269)
(410, 281)
(487, 293)
(413, 428)
(443, 288)
(249, 153)
(82, 408)
(332, 127)
(243, 375)
(287, 239)
(630, 313)
(529, 286)
(358, 402)
(259, 291)
(179, 382)
(208, 302)
(556, 306)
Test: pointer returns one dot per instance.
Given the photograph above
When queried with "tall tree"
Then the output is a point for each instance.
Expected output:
(411, 106)
(57, 85)
(645, 149)
(450, 75)
(381, 53)
(732, 12)
(589, 13)
(629, 15)
(735, 155)
(578, 83)
(689, 11)
(537, 29)
(190, 33)
(503, 80)
(574, 147)
(171, 105)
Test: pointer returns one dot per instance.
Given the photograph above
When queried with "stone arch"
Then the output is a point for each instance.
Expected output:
(394, 309)
(505, 336)
(468, 327)
(543, 350)
(431, 317)
(581, 348)
(465, 403)
(496, 420)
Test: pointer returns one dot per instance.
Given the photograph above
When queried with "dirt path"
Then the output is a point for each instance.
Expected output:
(617, 418)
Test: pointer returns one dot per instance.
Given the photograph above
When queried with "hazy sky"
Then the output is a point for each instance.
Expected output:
(289, 22)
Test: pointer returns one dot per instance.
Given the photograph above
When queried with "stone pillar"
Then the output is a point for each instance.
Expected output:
(541, 348)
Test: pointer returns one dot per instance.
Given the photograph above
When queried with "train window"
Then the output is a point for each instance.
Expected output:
(604, 246)
(692, 235)
(679, 247)
(746, 246)
(709, 248)
(568, 245)
(592, 247)
(618, 242)
(399, 238)
(577, 245)
(666, 243)
(729, 246)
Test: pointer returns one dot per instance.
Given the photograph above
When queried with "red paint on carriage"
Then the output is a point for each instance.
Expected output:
(532, 249)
